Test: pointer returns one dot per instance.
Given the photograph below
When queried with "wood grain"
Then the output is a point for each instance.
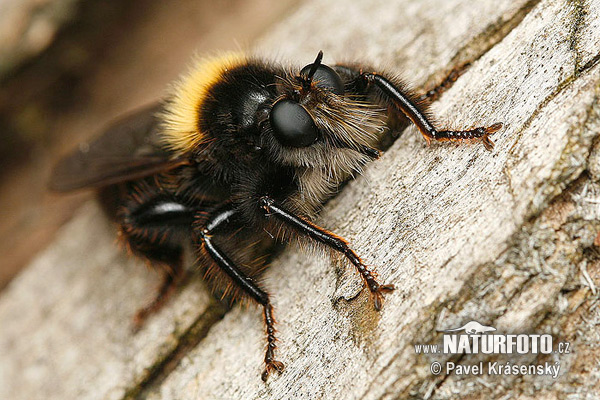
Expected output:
(501, 237)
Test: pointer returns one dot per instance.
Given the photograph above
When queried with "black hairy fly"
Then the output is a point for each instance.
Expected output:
(241, 155)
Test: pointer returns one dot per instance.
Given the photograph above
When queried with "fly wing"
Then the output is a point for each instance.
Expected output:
(129, 149)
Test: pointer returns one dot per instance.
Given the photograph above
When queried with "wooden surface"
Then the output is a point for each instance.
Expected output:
(505, 238)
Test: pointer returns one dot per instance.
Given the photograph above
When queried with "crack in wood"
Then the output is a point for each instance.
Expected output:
(579, 12)
(476, 48)
(197, 331)
(562, 86)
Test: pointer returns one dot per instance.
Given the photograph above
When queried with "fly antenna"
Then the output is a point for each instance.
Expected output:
(314, 66)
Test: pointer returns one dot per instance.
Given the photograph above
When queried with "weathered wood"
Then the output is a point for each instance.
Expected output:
(69, 335)
(505, 238)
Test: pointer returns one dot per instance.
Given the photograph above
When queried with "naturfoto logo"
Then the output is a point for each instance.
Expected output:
(476, 338)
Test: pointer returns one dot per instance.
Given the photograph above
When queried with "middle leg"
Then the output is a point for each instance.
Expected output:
(205, 231)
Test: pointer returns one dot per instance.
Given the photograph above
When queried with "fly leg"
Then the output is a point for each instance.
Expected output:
(399, 101)
(205, 244)
(154, 228)
(377, 290)
(405, 105)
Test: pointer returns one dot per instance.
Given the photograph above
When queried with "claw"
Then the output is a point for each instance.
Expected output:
(487, 142)
(138, 320)
(494, 128)
(485, 139)
(378, 295)
(270, 367)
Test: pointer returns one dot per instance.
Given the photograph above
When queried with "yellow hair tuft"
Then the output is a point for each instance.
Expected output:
(181, 128)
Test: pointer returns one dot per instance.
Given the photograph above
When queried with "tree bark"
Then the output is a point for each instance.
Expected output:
(505, 238)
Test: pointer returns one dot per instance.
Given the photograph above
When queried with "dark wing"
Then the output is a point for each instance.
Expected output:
(129, 149)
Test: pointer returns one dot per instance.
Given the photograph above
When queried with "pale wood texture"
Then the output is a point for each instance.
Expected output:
(503, 237)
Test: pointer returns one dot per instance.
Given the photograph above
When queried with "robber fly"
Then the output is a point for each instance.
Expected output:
(242, 154)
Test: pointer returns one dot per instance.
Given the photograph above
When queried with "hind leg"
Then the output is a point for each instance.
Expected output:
(168, 260)
(153, 227)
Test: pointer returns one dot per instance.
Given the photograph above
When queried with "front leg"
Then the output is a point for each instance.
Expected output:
(401, 102)
(271, 207)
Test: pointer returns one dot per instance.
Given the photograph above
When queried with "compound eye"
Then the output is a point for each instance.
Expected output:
(292, 125)
(325, 77)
